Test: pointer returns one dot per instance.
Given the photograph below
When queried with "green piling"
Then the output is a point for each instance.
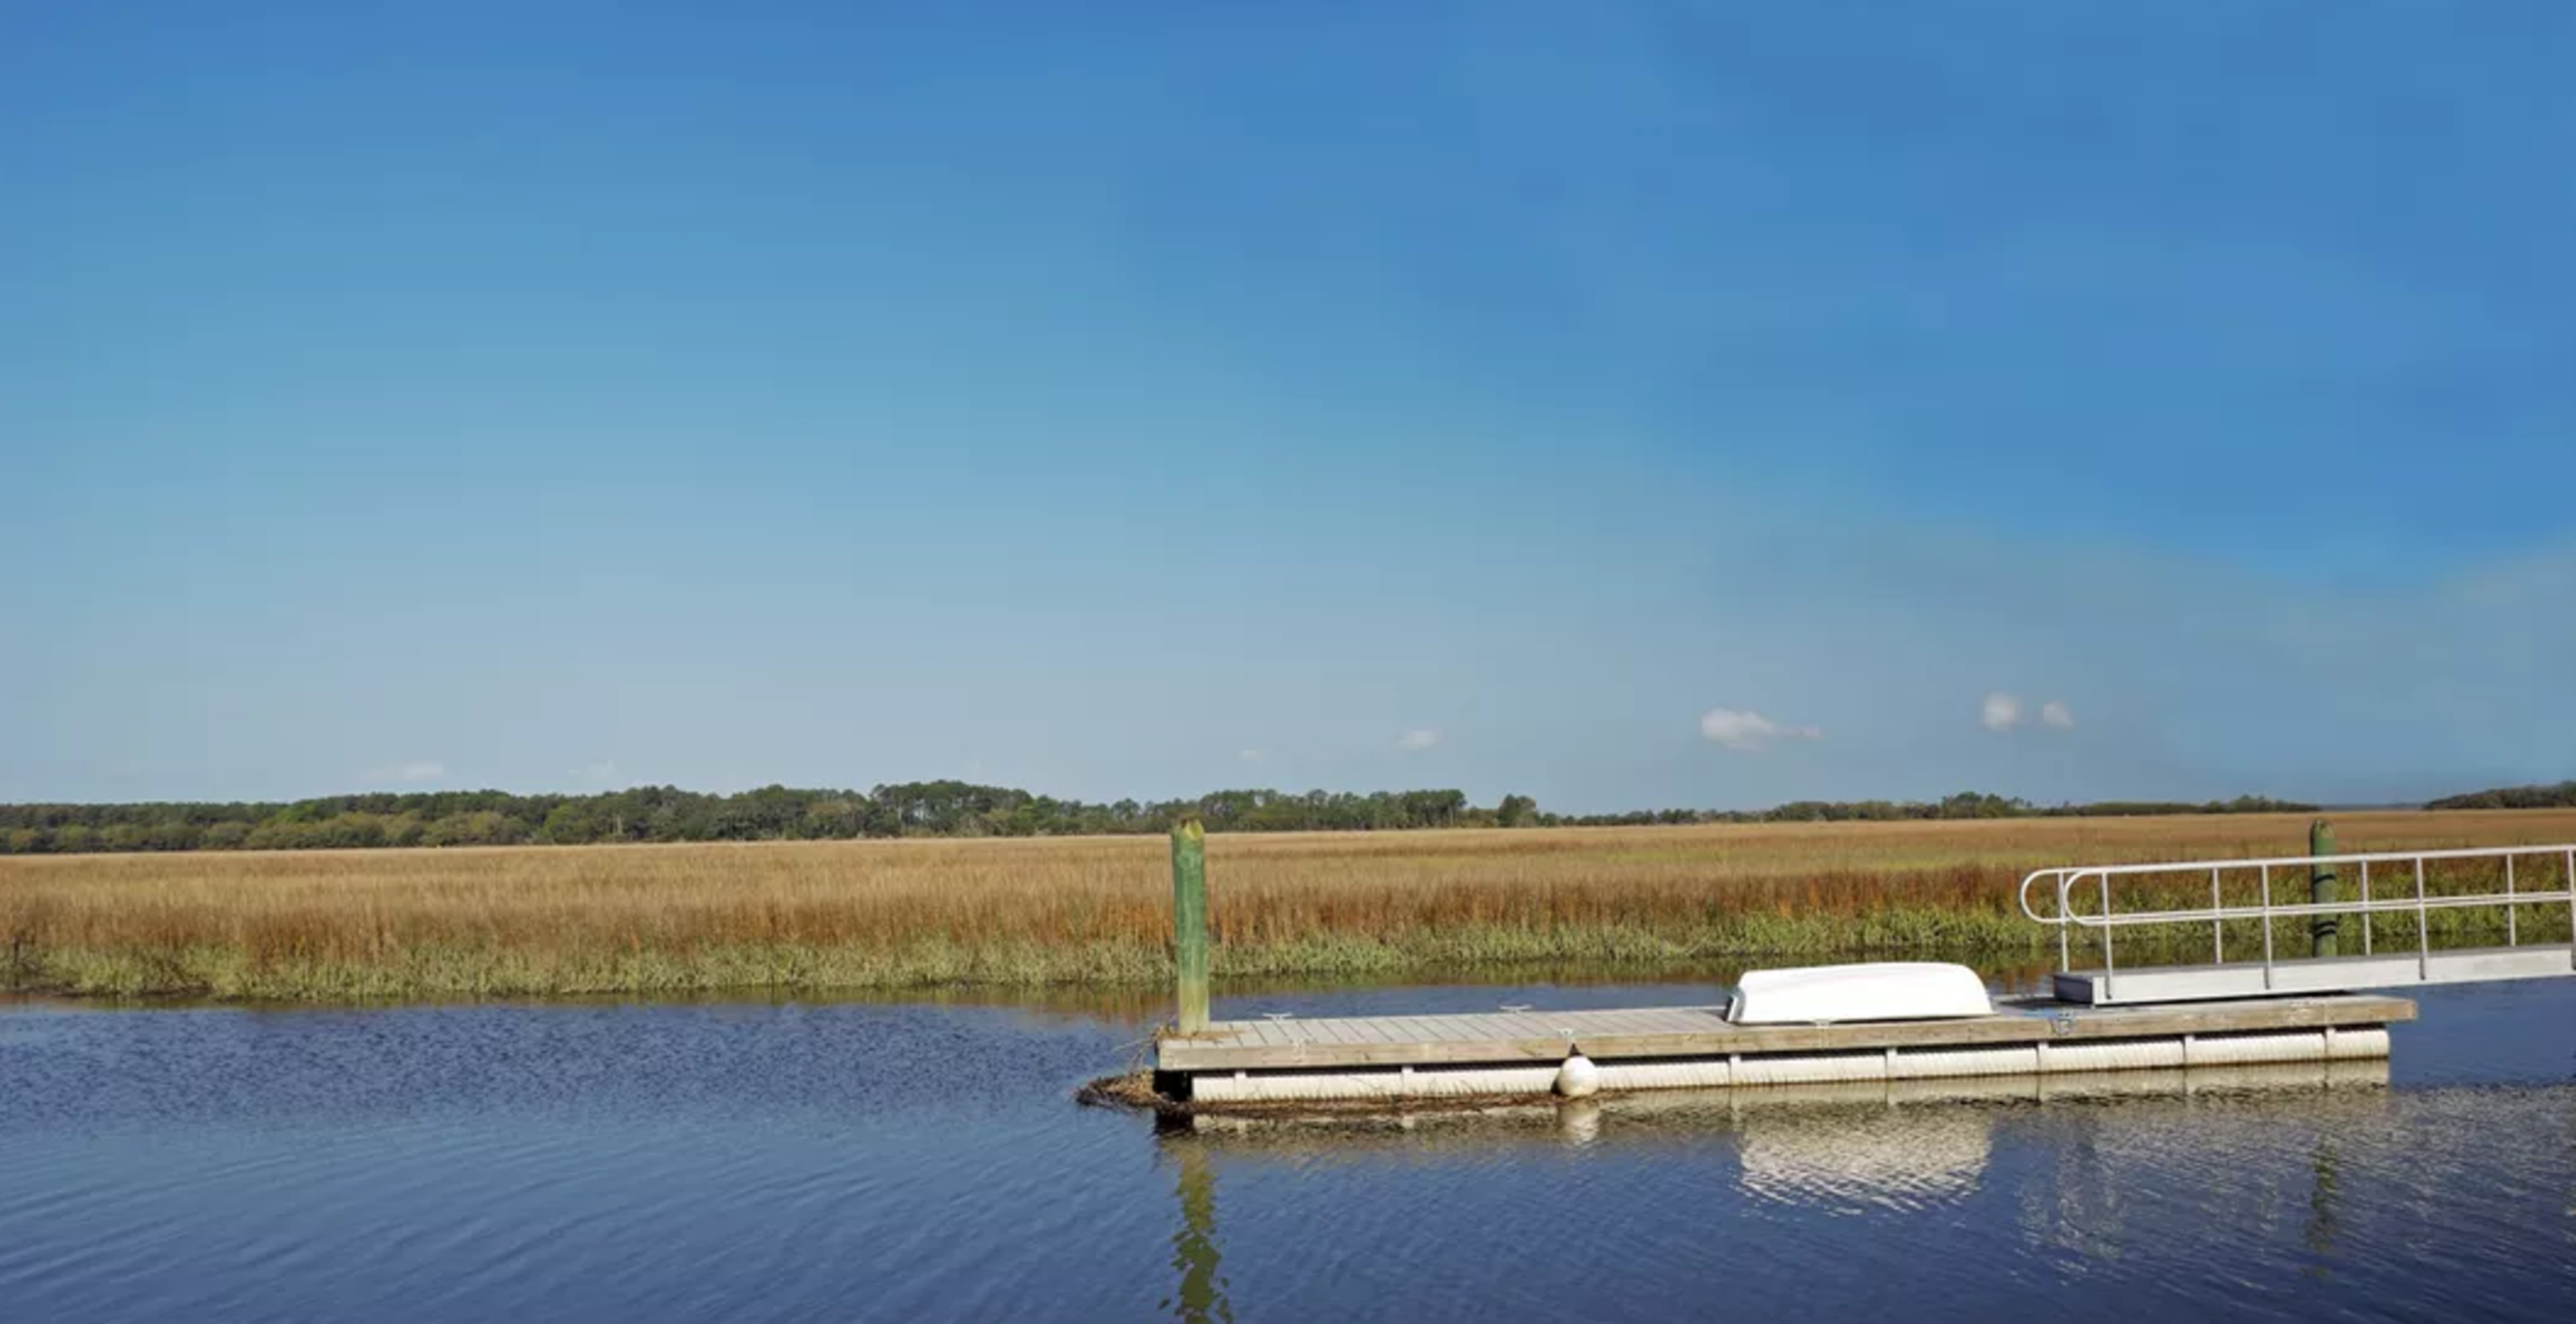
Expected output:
(1190, 923)
(2321, 889)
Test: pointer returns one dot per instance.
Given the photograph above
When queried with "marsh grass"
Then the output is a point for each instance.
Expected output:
(329, 925)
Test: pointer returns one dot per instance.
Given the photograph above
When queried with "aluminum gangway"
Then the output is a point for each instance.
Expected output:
(2536, 944)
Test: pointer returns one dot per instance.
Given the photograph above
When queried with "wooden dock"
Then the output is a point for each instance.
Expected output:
(1521, 1051)
(2285, 1008)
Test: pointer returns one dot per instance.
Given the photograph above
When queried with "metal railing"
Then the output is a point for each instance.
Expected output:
(2090, 880)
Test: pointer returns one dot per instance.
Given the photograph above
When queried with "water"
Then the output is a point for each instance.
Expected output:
(915, 1161)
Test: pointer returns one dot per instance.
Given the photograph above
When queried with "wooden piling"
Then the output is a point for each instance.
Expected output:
(1190, 924)
(2322, 938)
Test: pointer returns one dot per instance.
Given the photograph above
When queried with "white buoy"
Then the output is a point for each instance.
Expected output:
(1578, 1078)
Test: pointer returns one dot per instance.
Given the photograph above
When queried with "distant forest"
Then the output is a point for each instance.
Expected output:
(2561, 796)
(912, 809)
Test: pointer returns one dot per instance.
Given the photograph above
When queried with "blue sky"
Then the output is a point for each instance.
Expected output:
(1626, 405)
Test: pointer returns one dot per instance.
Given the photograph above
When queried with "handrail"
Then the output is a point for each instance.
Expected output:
(2067, 874)
(2066, 918)
(2294, 910)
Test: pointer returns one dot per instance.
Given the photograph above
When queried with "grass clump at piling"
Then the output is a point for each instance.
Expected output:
(336, 925)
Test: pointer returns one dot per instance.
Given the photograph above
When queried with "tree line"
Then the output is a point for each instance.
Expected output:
(2561, 796)
(667, 813)
(908, 809)
(1965, 804)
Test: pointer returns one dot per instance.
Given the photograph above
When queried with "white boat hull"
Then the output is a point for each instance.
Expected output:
(1875, 991)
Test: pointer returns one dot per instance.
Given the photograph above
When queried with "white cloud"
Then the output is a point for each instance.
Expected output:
(1418, 739)
(1253, 755)
(2055, 713)
(1750, 732)
(2001, 712)
(602, 772)
(419, 770)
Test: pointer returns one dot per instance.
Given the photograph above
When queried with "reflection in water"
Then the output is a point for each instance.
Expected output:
(1850, 1148)
(2321, 1204)
(2222, 1141)
(1578, 1121)
(1196, 1256)
(1895, 1158)
(2113, 1154)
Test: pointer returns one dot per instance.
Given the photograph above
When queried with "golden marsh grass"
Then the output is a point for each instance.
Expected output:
(879, 914)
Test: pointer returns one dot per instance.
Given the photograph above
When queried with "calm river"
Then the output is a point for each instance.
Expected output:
(920, 1161)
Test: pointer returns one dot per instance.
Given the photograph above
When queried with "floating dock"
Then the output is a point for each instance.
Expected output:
(1778, 1119)
(1521, 1052)
(2267, 1006)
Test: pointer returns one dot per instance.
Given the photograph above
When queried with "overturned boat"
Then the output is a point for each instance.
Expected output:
(1876, 991)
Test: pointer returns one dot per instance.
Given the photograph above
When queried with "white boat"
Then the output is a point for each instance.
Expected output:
(1876, 991)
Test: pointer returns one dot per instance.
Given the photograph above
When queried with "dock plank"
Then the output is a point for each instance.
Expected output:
(1674, 1021)
(1659, 1021)
(1524, 1025)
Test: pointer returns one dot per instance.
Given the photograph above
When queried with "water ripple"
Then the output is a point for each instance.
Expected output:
(915, 1162)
